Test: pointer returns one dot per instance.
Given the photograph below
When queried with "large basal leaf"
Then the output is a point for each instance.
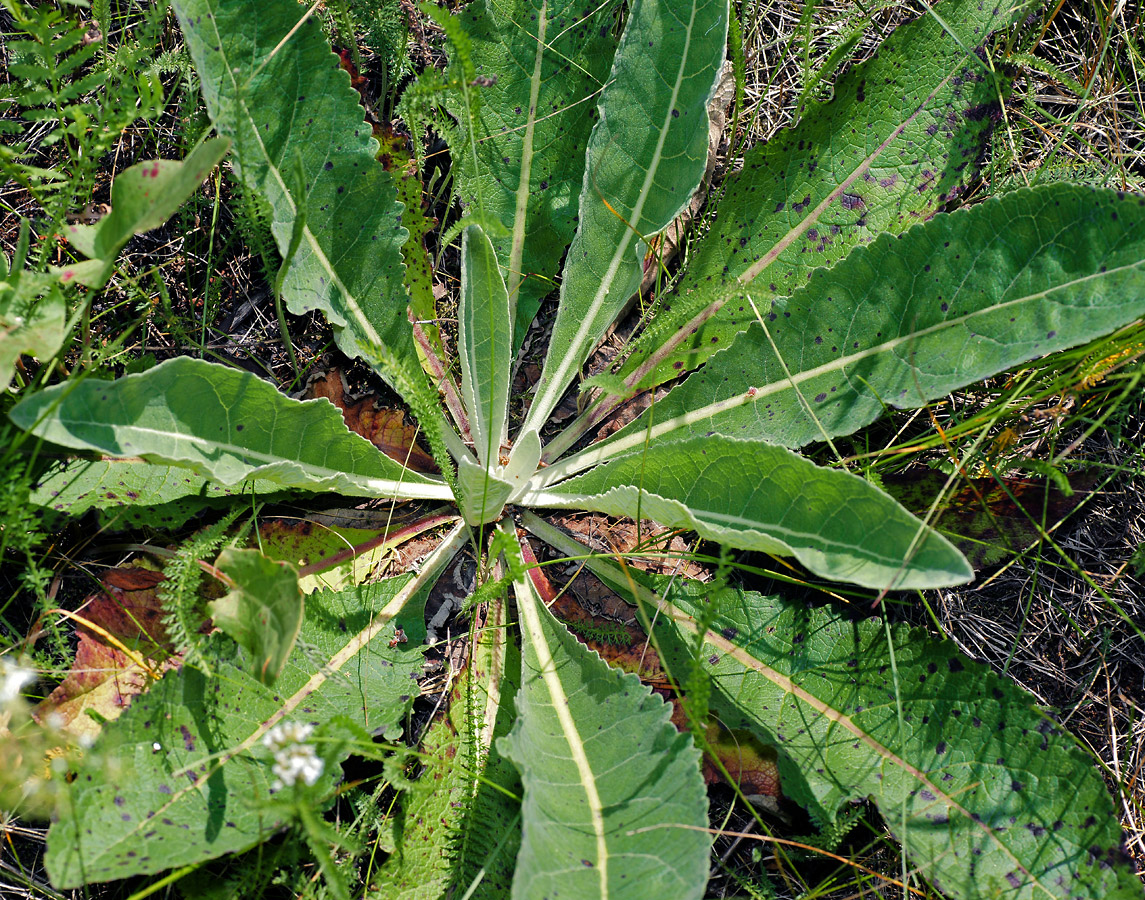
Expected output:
(545, 61)
(272, 84)
(131, 493)
(901, 136)
(600, 760)
(484, 343)
(906, 320)
(645, 158)
(761, 497)
(182, 778)
(989, 797)
(222, 423)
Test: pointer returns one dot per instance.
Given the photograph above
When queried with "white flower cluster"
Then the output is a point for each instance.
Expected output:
(294, 759)
(13, 679)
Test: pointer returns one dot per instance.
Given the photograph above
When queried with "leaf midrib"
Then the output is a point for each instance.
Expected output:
(430, 490)
(594, 455)
(559, 702)
(348, 297)
(812, 540)
(352, 647)
(545, 401)
(517, 253)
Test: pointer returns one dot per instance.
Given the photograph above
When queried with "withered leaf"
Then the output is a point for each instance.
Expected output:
(386, 429)
(122, 647)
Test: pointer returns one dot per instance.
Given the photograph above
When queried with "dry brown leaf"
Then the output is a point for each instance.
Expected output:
(386, 429)
(122, 648)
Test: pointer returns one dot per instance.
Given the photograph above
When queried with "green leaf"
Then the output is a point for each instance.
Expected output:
(761, 497)
(988, 796)
(485, 338)
(545, 60)
(262, 611)
(645, 159)
(183, 777)
(130, 493)
(600, 760)
(222, 423)
(483, 493)
(272, 84)
(33, 320)
(906, 320)
(142, 198)
(902, 136)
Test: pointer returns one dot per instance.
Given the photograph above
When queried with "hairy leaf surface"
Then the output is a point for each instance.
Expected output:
(599, 760)
(989, 797)
(761, 497)
(645, 157)
(222, 423)
(901, 136)
(485, 338)
(547, 61)
(271, 83)
(189, 778)
(133, 493)
(909, 319)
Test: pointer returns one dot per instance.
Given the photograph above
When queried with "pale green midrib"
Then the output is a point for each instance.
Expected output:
(350, 649)
(351, 302)
(555, 386)
(559, 701)
(662, 606)
(793, 233)
(813, 540)
(593, 455)
(788, 685)
(477, 424)
(482, 419)
(425, 489)
(517, 253)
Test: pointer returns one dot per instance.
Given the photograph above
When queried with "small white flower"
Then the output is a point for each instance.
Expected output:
(286, 733)
(294, 760)
(15, 678)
